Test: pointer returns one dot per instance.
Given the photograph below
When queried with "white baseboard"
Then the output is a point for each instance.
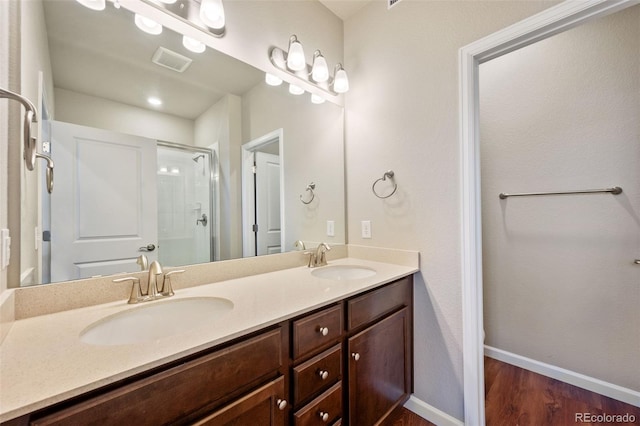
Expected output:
(431, 413)
(592, 384)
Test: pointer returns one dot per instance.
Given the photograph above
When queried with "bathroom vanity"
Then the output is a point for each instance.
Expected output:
(313, 351)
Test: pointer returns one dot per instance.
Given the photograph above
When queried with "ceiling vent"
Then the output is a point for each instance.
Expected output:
(170, 59)
(391, 3)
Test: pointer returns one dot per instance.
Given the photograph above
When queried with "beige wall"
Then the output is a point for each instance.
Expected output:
(34, 59)
(313, 152)
(5, 29)
(402, 114)
(221, 124)
(78, 108)
(560, 286)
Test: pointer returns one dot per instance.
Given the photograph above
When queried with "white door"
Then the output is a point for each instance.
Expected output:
(104, 208)
(268, 203)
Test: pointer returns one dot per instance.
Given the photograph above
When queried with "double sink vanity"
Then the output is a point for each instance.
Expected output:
(278, 343)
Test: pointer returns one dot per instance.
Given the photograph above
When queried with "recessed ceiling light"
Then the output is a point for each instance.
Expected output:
(154, 101)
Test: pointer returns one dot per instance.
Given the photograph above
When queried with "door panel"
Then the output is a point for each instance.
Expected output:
(104, 206)
(268, 203)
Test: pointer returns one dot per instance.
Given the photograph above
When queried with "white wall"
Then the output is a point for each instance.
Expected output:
(559, 282)
(402, 114)
(313, 152)
(85, 110)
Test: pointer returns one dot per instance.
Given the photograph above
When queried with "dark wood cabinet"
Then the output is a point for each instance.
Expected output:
(347, 363)
(379, 369)
(263, 407)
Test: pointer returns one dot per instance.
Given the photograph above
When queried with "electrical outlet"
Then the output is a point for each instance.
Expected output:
(5, 248)
(366, 228)
(331, 228)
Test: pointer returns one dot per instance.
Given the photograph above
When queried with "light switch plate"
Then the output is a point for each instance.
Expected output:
(331, 228)
(366, 228)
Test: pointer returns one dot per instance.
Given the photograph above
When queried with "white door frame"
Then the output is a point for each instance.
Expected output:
(248, 149)
(538, 27)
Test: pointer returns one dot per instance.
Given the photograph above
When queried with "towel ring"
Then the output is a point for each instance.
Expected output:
(310, 189)
(388, 174)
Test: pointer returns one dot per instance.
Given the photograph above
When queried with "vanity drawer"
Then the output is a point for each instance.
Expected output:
(375, 304)
(170, 395)
(316, 330)
(329, 404)
(308, 376)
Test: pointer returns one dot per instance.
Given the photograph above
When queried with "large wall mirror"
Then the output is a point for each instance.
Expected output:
(216, 167)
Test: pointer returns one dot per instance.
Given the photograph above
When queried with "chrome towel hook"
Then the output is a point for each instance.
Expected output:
(388, 174)
(310, 189)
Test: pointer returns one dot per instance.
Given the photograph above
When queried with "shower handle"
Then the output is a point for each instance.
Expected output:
(203, 220)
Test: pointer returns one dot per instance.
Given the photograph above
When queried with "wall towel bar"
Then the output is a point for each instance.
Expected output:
(615, 191)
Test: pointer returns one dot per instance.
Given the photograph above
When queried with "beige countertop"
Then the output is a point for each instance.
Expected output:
(43, 361)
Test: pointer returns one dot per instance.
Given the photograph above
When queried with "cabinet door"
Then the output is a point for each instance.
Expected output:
(263, 407)
(379, 369)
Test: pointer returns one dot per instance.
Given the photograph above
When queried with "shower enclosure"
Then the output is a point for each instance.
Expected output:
(186, 197)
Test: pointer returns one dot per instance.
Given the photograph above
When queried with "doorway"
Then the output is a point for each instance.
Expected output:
(552, 21)
(262, 200)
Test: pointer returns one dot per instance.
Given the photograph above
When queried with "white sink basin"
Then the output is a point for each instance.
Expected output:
(343, 272)
(155, 320)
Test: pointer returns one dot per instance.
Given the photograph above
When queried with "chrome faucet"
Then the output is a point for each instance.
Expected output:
(153, 290)
(299, 244)
(319, 257)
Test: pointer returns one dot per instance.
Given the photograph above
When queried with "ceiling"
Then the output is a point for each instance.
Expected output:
(344, 9)
(104, 54)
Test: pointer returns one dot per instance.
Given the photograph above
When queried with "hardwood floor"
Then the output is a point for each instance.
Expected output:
(403, 417)
(520, 397)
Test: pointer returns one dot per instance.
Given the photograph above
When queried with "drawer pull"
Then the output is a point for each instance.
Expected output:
(323, 330)
(282, 404)
(324, 374)
(355, 356)
(323, 416)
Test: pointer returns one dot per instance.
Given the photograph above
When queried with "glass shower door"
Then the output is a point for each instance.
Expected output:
(184, 205)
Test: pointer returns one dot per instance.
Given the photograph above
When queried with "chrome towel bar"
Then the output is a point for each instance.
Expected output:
(615, 191)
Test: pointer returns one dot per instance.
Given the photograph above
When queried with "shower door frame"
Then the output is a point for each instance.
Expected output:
(552, 21)
(213, 195)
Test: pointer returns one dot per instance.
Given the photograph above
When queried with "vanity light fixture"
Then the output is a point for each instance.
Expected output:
(316, 99)
(295, 58)
(272, 80)
(319, 69)
(147, 25)
(212, 13)
(205, 15)
(295, 90)
(193, 45)
(340, 80)
(93, 4)
(317, 74)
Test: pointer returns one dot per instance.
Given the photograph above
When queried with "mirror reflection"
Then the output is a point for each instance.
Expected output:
(170, 154)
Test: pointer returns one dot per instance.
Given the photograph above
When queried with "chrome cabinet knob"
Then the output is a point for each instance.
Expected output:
(355, 356)
(323, 416)
(324, 374)
(282, 404)
(323, 330)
